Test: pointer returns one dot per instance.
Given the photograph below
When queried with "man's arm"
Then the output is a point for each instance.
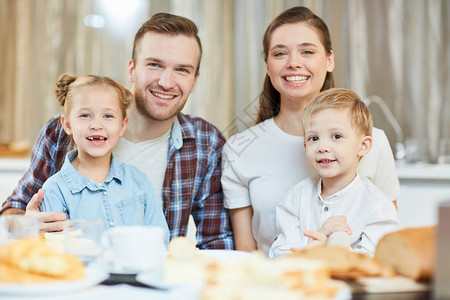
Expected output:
(211, 217)
(48, 156)
(50, 146)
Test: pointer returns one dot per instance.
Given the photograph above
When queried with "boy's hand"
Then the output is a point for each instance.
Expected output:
(335, 223)
(48, 221)
(315, 238)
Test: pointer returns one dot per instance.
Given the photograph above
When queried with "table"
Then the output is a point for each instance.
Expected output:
(125, 291)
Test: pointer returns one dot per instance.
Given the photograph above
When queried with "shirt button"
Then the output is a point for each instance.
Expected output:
(326, 208)
(112, 224)
(105, 193)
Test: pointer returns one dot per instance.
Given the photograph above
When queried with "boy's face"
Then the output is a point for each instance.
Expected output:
(333, 146)
(95, 121)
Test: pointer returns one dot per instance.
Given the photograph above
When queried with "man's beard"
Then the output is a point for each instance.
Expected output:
(144, 107)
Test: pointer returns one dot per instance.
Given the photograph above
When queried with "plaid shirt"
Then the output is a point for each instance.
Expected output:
(191, 183)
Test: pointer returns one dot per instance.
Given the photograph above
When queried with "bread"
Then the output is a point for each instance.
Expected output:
(411, 252)
(32, 260)
(182, 248)
(251, 276)
(344, 263)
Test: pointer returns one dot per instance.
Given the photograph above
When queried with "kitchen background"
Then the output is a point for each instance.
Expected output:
(396, 50)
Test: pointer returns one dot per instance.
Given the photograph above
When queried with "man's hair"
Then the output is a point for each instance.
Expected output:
(337, 98)
(165, 23)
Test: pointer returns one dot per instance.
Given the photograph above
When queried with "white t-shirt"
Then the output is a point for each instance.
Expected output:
(370, 214)
(261, 164)
(148, 156)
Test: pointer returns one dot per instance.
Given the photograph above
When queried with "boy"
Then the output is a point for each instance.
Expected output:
(338, 128)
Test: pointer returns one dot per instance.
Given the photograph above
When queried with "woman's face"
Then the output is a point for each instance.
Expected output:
(297, 62)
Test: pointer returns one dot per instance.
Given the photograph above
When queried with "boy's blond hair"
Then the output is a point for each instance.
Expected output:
(338, 98)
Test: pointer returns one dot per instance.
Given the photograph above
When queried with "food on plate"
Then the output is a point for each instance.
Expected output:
(257, 277)
(184, 264)
(182, 248)
(56, 240)
(32, 260)
(249, 276)
(411, 252)
(344, 263)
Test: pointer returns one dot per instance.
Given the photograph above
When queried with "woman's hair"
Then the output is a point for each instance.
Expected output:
(68, 85)
(269, 100)
(168, 24)
(339, 99)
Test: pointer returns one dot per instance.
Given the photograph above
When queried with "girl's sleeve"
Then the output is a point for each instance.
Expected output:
(53, 198)
(153, 211)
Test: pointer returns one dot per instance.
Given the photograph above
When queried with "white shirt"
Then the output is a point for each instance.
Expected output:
(148, 156)
(370, 214)
(261, 164)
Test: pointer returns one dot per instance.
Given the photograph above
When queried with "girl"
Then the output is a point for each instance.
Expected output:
(91, 183)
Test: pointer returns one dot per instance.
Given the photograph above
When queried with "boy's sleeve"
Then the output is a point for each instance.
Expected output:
(383, 219)
(289, 231)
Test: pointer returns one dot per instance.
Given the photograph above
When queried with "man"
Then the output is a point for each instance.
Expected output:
(180, 154)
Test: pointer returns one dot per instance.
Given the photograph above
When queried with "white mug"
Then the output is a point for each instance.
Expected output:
(135, 249)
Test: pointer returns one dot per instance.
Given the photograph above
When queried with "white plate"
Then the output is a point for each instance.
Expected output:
(94, 275)
(226, 254)
(397, 284)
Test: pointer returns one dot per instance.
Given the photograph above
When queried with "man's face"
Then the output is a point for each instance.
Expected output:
(164, 74)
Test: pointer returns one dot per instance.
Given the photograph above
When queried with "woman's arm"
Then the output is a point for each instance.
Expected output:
(241, 221)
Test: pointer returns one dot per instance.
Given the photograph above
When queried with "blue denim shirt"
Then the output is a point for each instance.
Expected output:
(126, 197)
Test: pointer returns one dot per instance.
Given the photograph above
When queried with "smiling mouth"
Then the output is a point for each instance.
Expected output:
(296, 79)
(163, 96)
(97, 138)
(325, 161)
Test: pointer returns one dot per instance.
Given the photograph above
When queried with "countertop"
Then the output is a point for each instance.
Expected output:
(423, 171)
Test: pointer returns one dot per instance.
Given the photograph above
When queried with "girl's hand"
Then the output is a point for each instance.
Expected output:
(335, 223)
(315, 238)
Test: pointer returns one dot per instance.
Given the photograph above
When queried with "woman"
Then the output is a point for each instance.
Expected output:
(263, 162)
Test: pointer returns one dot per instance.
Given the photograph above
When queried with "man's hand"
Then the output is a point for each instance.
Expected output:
(335, 223)
(315, 238)
(48, 221)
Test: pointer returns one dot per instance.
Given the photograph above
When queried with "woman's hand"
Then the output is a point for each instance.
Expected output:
(48, 221)
(335, 223)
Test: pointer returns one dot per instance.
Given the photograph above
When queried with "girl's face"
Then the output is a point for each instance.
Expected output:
(297, 62)
(95, 121)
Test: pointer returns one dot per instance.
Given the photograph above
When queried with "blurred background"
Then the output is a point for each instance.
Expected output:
(396, 51)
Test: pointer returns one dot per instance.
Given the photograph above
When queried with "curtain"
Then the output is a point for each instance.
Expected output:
(395, 49)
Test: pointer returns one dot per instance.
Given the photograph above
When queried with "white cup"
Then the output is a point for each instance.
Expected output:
(135, 249)
(14, 227)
